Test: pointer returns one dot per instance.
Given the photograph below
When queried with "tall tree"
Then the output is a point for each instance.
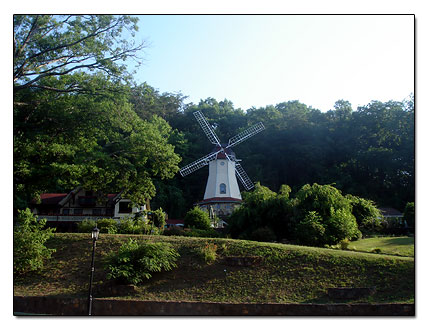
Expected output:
(73, 123)
(47, 46)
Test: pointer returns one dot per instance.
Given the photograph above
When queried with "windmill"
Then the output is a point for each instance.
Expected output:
(222, 191)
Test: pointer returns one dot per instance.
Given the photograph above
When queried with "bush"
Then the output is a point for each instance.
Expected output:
(344, 244)
(107, 226)
(130, 225)
(196, 218)
(368, 217)
(209, 253)
(263, 234)
(86, 225)
(29, 237)
(136, 261)
(263, 208)
(333, 220)
(158, 218)
(209, 233)
(310, 230)
(409, 214)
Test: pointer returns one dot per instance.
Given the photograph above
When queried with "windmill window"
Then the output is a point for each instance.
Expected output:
(222, 188)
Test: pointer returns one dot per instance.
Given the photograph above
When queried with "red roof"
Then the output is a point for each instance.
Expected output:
(55, 198)
(52, 198)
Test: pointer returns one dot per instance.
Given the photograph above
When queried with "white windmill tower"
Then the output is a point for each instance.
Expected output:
(222, 192)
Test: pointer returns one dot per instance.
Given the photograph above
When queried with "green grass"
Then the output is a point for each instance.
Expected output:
(287, 273)
(401, 246)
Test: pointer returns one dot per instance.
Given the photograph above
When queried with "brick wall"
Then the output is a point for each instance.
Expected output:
(105, 306)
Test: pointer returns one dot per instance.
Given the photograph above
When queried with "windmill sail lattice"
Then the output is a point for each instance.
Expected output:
(206, 128)
(197, 164)
(244, 178)
(242, 136)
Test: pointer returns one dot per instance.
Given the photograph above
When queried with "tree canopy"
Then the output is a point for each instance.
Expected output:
(79, 119)
(73, 121)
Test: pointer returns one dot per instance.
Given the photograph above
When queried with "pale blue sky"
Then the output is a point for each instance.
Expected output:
(258, 60)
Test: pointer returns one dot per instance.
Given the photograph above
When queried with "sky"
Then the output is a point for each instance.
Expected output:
(260, 60)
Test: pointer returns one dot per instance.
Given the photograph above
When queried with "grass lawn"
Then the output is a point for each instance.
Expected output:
(402, 246)
(286, 274)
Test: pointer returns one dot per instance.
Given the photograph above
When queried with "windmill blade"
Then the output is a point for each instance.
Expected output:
(197, 164)
(242, 136)
(209, 132)
(244, 178)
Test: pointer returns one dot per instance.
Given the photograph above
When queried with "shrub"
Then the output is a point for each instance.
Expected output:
(263, 208)
(310, 230)
(209, 233)
(344, 244)
(107, 226)
(409, 214)
(136, 261)
(368, 217)
(196, 218)
(209, 253)
(264, 234)
(29, 237)
(335, 220)
(130, 225)
(158, 218)
(86, 225)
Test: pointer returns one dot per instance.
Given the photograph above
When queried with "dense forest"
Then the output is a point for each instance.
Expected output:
(368, 152)
(80, 119)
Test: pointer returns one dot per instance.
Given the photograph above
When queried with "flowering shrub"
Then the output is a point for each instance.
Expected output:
(209, 253)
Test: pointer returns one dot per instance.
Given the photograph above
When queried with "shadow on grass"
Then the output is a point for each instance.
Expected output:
(405, 241)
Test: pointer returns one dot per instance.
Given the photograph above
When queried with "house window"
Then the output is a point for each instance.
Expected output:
(77, 212)
(222, 188)
(96, 211)
(124, 207)
(66, 212)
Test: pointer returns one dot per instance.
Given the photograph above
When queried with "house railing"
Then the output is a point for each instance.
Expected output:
(61, 217)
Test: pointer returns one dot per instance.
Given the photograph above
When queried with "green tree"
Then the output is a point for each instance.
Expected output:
(55, 46)
(73, 122)
(409, 214)
(29, 237)
(368, 217)
(331, 210)
(197, 218)
(158, 218)
(311, 230)
(263, 209)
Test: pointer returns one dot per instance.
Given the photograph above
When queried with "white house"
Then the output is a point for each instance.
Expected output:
(82, 204)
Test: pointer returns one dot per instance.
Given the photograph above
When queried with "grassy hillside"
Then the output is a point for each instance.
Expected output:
(286, 273)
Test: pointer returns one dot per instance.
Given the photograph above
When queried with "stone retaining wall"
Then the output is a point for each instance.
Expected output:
(105, 306)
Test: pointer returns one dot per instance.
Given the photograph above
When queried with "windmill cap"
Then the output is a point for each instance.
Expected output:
(228, 151)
